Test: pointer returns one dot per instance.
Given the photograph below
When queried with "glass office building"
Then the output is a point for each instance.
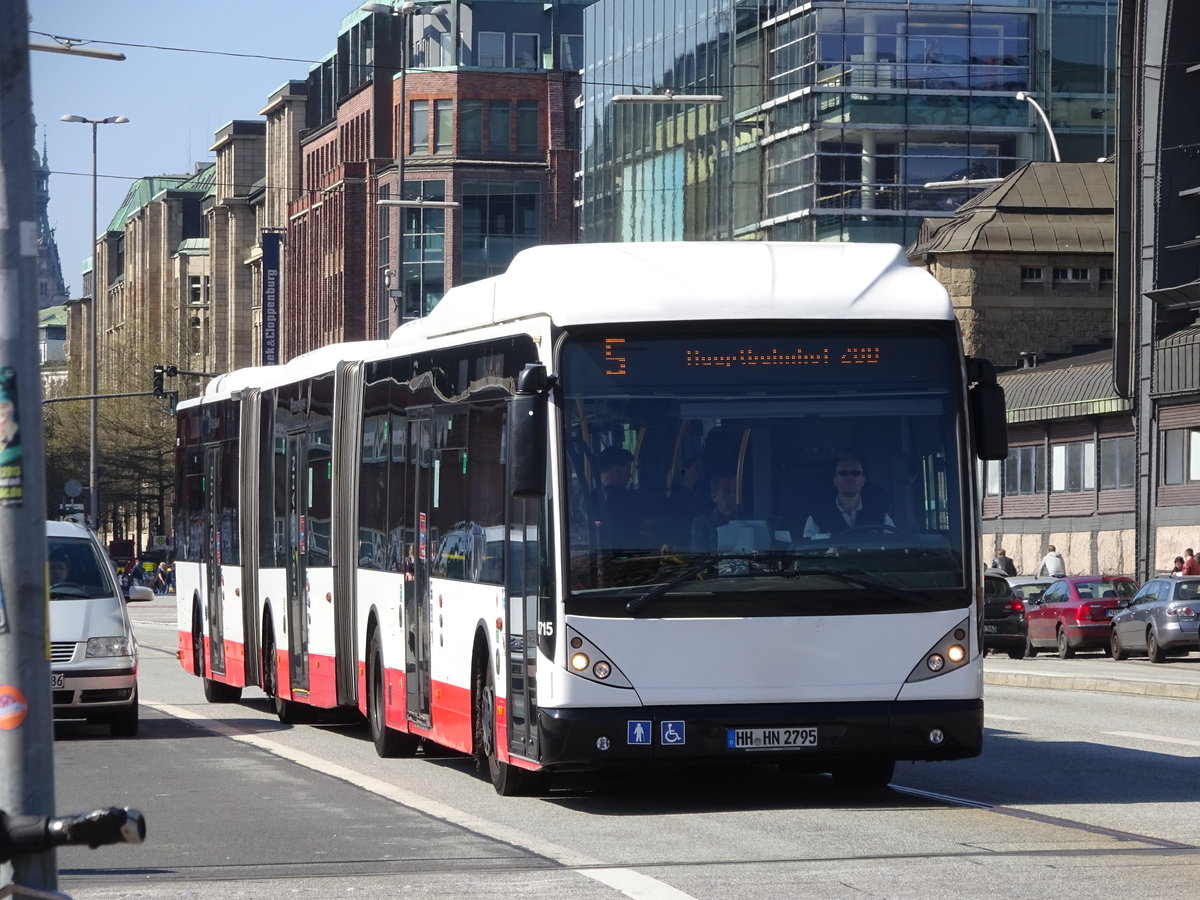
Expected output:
(833, 118)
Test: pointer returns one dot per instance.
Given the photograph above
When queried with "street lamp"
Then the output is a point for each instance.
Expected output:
(94, 380)
(1028, 98)
(405, 10)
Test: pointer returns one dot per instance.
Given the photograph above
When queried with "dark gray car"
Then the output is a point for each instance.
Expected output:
(1162, 619)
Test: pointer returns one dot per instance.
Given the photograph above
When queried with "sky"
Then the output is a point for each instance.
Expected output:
(175, 99)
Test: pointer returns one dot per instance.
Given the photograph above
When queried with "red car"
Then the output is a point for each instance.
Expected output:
(1074, 613)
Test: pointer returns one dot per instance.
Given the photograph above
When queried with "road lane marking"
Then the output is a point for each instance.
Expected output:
(629, 882)
(1000, 718)
(1137, 735)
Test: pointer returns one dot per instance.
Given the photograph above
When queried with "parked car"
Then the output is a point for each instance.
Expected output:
(1163, 619)
(1030, 587)
(1074, 612)
(93, 651)
(1003, 617)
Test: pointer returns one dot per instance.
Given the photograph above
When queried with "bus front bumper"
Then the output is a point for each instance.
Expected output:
(924, 730)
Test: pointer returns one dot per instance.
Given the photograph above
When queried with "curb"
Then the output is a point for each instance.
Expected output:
(1103, 685)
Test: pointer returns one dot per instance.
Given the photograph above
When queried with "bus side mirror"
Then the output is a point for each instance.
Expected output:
(986, 404)
(527, 434)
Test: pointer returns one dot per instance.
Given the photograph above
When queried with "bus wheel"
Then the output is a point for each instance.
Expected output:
(388, 742)
(197, 642)
(219, 692)
(287, 711)
(865, 773)
(509, 781)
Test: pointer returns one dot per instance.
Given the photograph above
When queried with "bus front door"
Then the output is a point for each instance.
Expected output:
(296, 620)
(524, 592)
(417, 597)
(212, 560)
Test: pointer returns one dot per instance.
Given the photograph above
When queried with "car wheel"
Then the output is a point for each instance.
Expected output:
(388, 742)
(1016, 653)
(509, 781)
(1115, 648)
(1030, 650)
(1153, 651)
(126, 722)
(1065, 650)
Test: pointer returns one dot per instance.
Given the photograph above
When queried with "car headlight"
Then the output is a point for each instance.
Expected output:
(109, 646)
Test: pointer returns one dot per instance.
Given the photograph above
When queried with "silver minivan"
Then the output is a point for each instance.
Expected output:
(93, 651)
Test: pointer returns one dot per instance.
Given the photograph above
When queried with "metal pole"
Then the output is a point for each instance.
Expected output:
(401, 149)
(26, 718)
(93, 345)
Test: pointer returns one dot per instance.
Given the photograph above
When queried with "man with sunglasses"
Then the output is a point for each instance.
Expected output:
(849, 508)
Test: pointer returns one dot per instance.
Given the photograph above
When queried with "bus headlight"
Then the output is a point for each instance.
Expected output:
(588, 661)
(946, 655)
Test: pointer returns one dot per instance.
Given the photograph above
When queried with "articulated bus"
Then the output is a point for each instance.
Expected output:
(594, 512)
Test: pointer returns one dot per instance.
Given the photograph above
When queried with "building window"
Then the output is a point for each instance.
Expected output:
(1031, 273)
(1181, 456)
(1116, 463)
(499, 126)
(527, 126)
(991, 478)
(1069, 274)
(443, 126)
(491, 49)
(570, 52)
(1073, 466)
(1025, 470)
(198, 286)
(1106, 276)
(525, 51)
(423, 238)
(383, 263)
(470, 126)
(500, 218)
(419, 126)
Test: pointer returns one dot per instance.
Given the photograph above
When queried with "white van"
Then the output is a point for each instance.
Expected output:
(93, 652)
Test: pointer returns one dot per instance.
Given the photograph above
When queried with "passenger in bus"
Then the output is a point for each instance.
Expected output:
(723, 490)
(614, 504)
(851, 506)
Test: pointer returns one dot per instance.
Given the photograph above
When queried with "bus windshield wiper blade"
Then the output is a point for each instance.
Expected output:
(641, 601)
(857, 579)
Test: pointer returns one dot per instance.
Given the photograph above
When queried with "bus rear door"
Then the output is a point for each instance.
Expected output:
(417, 598)
(212, 559)
(297, 578)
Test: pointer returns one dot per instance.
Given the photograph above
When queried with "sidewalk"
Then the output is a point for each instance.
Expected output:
(1179, 678)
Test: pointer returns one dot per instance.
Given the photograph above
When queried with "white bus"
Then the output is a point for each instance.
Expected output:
(499, 530)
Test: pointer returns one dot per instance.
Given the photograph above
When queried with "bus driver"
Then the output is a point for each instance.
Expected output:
(849, 507)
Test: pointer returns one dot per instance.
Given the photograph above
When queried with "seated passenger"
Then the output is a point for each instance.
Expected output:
(614, 504)
(849, 507)
(723, 490)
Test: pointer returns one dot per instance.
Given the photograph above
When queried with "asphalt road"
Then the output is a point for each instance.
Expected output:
(1087, 785)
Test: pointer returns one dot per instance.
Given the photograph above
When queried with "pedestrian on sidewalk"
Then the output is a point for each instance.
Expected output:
(1052, 563)
(1004, 563)
(1190, 565)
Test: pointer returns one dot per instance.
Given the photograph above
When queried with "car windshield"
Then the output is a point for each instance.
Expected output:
(725, 464)
(1030, 590)
(76, 569)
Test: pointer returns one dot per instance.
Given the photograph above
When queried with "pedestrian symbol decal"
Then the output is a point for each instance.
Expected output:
(638, 731)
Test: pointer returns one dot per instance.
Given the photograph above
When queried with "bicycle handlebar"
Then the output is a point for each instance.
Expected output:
(36, 834)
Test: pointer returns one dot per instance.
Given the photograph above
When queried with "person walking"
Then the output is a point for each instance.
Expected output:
(1052, 563)
(1004, 563)
(1190, 565)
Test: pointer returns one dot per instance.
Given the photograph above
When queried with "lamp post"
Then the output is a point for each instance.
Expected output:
(405, 10)
(93, 334)
(1028, 98)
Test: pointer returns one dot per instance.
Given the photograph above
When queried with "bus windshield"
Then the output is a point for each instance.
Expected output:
(716, 464)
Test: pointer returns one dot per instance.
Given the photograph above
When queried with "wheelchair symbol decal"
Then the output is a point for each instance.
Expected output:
(673, 733)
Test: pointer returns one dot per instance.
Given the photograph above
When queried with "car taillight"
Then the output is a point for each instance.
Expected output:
(1014, 606)
(1185, 612)
(1089, 611)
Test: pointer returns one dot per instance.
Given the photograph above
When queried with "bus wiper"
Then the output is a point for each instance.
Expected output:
(857, 579)
(641, 601)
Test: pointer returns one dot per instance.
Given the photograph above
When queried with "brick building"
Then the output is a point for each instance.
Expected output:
(472, 108)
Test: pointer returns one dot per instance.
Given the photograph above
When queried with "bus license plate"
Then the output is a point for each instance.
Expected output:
(770, 738)
(57, 680)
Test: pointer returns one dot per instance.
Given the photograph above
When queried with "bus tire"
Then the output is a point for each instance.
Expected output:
(197, 641)
(388, 742)
(509, 781)
(286, 710)
(865, 773)
(219, 692)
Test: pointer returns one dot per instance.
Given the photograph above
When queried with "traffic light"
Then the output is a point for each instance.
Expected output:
(158, 380)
